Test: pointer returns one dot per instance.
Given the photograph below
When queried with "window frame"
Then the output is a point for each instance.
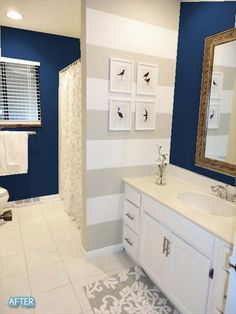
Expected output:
(22, 123)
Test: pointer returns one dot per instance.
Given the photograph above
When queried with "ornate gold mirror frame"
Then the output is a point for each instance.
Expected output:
(200, 159)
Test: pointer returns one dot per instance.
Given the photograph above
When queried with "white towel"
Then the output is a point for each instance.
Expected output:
(13, 152)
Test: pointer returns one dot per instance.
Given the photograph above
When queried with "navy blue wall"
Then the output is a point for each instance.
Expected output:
(54, 53)
(197, 21)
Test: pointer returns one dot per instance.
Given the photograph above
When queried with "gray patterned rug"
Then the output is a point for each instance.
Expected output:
(129, 292)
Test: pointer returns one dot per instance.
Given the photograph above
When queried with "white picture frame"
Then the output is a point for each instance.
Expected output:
(147, 79)
(121, 75)
(213, 121)
(217, 84)
(120, 114)
(145, 115)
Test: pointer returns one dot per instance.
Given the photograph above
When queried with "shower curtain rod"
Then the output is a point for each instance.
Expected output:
(66, 68)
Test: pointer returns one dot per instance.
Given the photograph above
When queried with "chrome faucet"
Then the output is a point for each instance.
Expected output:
(223, 193)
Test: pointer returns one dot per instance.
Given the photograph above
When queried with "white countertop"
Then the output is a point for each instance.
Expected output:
(220, 226)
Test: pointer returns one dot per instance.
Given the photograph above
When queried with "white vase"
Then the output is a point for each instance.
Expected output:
(161, 173)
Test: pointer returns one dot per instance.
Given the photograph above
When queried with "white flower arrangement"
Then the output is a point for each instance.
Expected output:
(161, 167)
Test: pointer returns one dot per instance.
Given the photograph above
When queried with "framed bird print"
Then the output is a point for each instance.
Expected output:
(216, 84)
(213, 116)
(120, 115)
(145, 117)
(147, 79)
(121, 75)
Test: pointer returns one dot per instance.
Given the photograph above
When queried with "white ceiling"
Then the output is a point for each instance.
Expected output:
(60, 17)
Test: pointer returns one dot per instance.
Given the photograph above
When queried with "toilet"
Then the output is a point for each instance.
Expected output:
(4, 196)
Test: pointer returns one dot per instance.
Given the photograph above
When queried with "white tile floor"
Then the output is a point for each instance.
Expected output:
(40, 255)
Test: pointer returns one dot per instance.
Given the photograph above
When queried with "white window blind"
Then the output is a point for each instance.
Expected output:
(19, 92)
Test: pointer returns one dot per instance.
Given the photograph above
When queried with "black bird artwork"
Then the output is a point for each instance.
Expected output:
(147, 80)
(146, 74)
(212, 114)
(121, 74)
(120, 114)
(214, 83)
(145, 115)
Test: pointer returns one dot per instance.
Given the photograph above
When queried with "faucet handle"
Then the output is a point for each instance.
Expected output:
(219, 186)
(215, 188)
(232, 198)
(221, 191)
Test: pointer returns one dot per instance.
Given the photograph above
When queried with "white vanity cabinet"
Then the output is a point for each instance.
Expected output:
(187, 277)
(131, 219)
(185, 261)
(219, 292)
(152, 250)
(177, 268)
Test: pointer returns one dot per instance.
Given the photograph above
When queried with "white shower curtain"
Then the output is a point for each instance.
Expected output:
(70, 140)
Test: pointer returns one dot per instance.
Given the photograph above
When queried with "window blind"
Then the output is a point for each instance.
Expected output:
(19, 92)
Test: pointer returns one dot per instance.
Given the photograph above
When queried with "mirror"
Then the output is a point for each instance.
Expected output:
(216, 139)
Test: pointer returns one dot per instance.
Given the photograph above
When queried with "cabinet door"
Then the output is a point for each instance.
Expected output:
(187, 279)
(151, 246)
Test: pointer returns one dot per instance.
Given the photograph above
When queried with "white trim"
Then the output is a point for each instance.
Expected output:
(31, 201)
(19, 61)
(51, 197)
(88, 255)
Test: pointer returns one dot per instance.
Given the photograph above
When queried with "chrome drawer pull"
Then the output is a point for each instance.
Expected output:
(165, 246)
(129, 216)
(168, 247)
(128, 241)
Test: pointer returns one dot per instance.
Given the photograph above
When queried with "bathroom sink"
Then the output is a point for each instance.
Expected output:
(208, 204)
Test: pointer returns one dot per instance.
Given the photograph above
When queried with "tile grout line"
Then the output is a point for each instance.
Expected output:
(26, 263)
(31, 250)
(19, 226)
(70, 282)
(24, 250)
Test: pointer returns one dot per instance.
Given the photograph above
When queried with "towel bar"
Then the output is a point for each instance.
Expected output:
(29, 132)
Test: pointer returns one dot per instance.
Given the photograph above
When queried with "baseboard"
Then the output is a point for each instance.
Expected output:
(34, 200)
(88, 255)
(51, 197)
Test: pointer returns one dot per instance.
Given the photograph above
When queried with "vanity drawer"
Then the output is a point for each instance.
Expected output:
(132, 195)
(182, 227)
(130, 242)
(131, 216)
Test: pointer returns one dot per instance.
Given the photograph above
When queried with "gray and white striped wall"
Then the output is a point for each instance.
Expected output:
(142, 31)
